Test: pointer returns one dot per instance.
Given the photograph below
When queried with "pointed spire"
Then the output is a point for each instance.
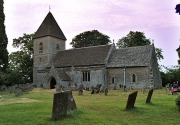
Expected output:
(49, 27)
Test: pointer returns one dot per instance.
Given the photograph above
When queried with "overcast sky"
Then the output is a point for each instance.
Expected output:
(115, 18)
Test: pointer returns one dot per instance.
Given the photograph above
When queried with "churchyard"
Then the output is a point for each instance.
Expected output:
(35, 108)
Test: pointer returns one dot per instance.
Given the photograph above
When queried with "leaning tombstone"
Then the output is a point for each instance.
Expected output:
(60, 104)
(149, 96)
(131, 100)
(106, 91)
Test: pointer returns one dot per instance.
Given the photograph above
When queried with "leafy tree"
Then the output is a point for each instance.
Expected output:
(170, 75)
(3, 40)
(22, 61)
(133, 39)
(90, 38)
(137, 39)
(178, 8)
(178, 51)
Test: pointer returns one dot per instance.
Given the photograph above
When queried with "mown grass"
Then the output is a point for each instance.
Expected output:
(35, 108)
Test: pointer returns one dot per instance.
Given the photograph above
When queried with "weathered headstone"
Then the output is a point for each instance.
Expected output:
(97, 90)
(131, 100)
(92, 91)
(106, 91)
(71, 102)
(80, 90)
(60, 105)
(149, 96)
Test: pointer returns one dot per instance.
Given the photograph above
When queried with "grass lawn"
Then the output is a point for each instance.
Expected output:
(35, 108)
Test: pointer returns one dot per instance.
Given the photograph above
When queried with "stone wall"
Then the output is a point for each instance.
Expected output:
(141, 77)
(97, 75)
(43, 55)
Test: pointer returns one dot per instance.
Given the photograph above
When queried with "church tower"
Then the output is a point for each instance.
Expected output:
(48, 39)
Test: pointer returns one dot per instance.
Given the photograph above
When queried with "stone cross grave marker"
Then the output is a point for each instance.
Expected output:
(149, 96)
(131, 100)
(60, 104)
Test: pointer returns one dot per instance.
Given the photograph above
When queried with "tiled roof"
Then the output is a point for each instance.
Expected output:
(49, 27)
(131, 56)
(62, 74)
(95, 55)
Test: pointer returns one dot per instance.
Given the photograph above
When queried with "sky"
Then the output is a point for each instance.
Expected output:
(115, 18)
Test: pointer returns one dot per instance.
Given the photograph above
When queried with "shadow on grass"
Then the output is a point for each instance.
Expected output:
(70, 114)
(151, 104)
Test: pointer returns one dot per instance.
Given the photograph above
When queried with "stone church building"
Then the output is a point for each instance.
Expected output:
(88, 66)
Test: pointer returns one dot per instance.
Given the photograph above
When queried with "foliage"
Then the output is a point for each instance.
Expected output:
(170, 75)
(90, 38)
(178, 51)
(178, 102)
(178, 8)
(133, 39)
(2, 78)
(3, 40)
(35, 107)
(22, 61)
(137, 39)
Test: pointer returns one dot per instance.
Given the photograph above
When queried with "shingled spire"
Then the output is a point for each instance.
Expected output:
(49, 27)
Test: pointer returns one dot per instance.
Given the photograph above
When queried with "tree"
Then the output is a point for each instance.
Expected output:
(170, 75)
(178, 8)
(90, 38)
(178, 51)
(137, 39)
(22, 61)
(3, 40)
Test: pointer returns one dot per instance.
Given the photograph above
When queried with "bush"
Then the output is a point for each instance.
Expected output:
(178, 102)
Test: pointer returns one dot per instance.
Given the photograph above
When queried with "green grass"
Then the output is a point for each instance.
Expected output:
(35, 108)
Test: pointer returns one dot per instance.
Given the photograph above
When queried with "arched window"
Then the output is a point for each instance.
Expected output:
(133, 78)
(41, 47)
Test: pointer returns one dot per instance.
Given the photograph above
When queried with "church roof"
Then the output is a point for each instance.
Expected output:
(62, 74)
(49, 27)
(131, 56)
(86, 56)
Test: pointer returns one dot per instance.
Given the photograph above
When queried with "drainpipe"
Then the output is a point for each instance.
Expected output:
(124, 78)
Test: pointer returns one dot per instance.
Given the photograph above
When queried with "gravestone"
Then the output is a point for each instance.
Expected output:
(92, 91)
(81, 90)
(149, 96)
(71, 102)
(97, 90)
(131, 100)
(60, 105)
(106, 91)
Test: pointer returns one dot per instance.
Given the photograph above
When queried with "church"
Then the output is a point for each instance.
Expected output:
(133, 67)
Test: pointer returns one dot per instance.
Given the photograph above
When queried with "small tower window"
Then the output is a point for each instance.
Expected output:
(133, 78)
(41, 47)
(40, 60)
(57, 47)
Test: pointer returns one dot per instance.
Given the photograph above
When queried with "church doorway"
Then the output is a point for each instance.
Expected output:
(52, 83)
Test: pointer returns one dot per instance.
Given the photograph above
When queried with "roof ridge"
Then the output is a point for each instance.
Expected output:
(134, 47)
(88, 47)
